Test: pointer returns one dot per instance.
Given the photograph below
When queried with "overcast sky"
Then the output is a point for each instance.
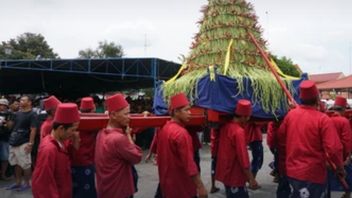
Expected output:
(316, 34)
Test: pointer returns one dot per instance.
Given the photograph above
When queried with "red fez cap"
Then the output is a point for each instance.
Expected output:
(87, 103)
(66, 113)
(178, 100)
(116, 102)
(243, 108)
(308, 90)
(340, 101)
(51, 103)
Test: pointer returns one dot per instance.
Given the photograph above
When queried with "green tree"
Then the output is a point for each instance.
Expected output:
(87, 53)
(286, 65)
(27, 46)
(104, 50)
(109, 50)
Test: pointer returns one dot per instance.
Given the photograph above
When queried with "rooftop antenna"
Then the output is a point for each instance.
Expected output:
(267, 24)
(349, 55)
(146, 44)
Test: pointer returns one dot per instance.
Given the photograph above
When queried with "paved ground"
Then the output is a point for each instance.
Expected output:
(148, 180)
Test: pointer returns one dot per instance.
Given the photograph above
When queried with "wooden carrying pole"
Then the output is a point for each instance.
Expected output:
(272, 69)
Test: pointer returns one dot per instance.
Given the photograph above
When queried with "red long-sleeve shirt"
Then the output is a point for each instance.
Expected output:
(271, 135)
(345, 133)
(175, 161)
(46, 127)
(253, 132)
(84, 156)
(114, 157)
(310, 137)
(232, 156)
(52, 174)
(214, 142)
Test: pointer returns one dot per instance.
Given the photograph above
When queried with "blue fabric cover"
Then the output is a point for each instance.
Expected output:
(222, 95)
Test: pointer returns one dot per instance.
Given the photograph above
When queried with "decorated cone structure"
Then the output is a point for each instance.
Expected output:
(223, 42)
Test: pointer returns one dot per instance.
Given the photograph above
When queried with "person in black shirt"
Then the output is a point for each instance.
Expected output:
(21, 143)
(5, 125)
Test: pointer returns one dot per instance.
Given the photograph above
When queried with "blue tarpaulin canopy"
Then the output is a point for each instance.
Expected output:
(222, 95)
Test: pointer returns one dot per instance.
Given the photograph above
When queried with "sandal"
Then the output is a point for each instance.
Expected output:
(13, 186)
(214, 190)
(23, 188)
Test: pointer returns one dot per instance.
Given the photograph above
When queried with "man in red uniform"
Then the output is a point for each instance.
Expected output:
(87, 105)
(342, 125)
(115, 152)
(50, 105)
(52, 174)
(311, 139)
(83, 170)
(178, 173)
(344, 132)
(232, 167)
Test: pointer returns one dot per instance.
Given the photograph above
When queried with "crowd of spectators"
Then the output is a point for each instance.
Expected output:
(10, 106)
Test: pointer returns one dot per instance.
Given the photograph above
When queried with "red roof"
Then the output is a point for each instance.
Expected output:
(345, 82)
(320, 78)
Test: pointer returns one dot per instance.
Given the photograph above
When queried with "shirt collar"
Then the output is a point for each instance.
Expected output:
(59, 144)
(178, 123)
(308, 107)
(111, 130)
